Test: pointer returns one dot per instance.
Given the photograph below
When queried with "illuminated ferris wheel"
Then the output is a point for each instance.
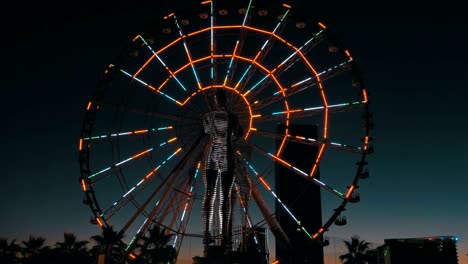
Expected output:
(143, 144)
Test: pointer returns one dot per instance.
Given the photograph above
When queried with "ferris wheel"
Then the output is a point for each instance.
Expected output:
(299, 99)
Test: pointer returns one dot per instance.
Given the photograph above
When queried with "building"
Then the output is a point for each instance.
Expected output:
(427, 250)
(288, 185)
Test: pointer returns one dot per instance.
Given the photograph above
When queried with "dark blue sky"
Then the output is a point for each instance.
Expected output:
(414, 63)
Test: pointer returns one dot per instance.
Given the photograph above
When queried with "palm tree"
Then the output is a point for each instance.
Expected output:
(34, 250)
(356, 251)
(71, 250)
(9, 251)
(155, 246)
(109, 244)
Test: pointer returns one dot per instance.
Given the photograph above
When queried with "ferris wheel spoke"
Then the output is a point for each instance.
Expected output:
(239, 44)
(299, 172)
(298, 113)
(171, 208)
(156, 209)
(151, 87)
(269, 218)
(300, 86)
(314, 142)
(213, 70)
(155, 55)
(265, 48)
(189, 202)
(296, 55)
(132, 197)
(187, 52)
(102, 173)
(142, 184)
(133, 133)
(324, 75)
(299, 53)
(267, 186)
(181, 193)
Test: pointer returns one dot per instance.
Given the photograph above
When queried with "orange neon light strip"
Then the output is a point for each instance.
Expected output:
(140, 131)
(83, 184)
(364, 93)
(195, 61)
(318, 233)
(142, 153)
(319, 156)
(366, 142)
(348, 54)
(264, 183)
(144, 66)
(280, 149)
(162, 85)
(151, 173)
(286, 132)
(350, 191)
(282, 161)
(168, 45)
(89, 106)
(172, 139)
(322, 25)
(99, 221)
(168, 16)
(81, 144)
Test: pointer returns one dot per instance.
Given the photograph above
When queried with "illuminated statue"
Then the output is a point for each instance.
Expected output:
(223, 128)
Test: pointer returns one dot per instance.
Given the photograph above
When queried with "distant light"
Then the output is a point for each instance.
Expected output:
(242, 11)
(185, 22)
(300, 24)
(223, 12)
(262, 12)
(204, 15)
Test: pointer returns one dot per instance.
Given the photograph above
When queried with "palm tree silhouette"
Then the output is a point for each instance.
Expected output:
(155, 247)
(109, 245)
(357, 251)
(71, 250)
(9, 251)
(34, 250)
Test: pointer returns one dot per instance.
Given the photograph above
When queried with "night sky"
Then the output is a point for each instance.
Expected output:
(414, 63)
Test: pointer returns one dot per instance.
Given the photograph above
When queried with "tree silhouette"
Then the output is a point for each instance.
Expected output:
(356, 251)
(109, 244)
(34, 250)
(154, 247)
(71, 250)
(9, 251)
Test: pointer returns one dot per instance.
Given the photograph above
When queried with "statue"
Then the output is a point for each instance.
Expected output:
(223, 128)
